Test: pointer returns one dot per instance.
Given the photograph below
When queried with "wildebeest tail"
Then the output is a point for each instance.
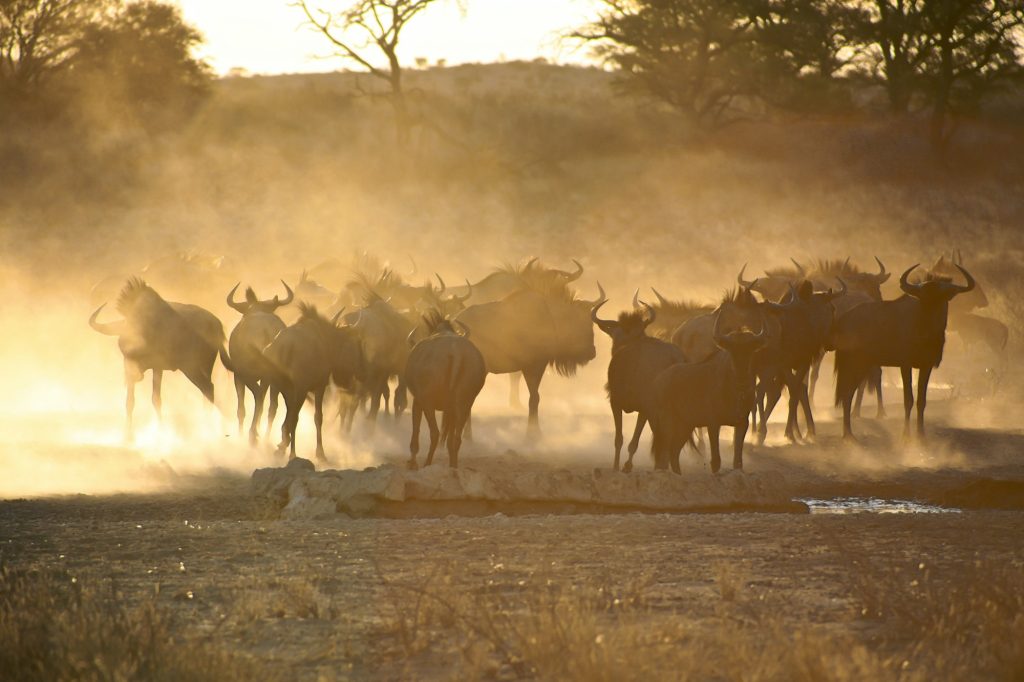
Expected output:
(225, 359)
(850, 372)
(452, 375)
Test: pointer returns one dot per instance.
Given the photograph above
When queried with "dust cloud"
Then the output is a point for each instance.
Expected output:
(279, 174)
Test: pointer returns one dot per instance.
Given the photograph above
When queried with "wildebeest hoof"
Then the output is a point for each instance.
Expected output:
(411, 465)
(627, 467)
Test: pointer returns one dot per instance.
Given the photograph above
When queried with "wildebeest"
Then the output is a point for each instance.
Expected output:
(445, 373)
(669, 315)
(382, 333)
(637, 359)
(511, 278)
(303, 358)
(805, 320)
(695, 337)
(159, 335)
(254, 332)
(716, 392)
(908, 333)
(531, 329)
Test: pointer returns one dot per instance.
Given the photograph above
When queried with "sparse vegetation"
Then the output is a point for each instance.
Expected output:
(54, 626)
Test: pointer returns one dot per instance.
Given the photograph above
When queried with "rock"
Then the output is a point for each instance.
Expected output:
(302, 493)
(300, 464)
(304, 507)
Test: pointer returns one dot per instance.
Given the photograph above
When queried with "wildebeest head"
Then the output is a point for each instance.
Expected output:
(829, 272)
(947, 267)
(251, 304)
(774, 285)
(741, 344)
(739, 310)
(631, 325)
(342, 343)
(936, 289)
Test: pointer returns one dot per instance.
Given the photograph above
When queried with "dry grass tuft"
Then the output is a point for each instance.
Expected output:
(53, 627)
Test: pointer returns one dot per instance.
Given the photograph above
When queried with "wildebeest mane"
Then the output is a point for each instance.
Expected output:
(633, 321)
(684, 307)
(786, 272)
(135, 293)
(436, 323)
(835, 266)
(308, 311)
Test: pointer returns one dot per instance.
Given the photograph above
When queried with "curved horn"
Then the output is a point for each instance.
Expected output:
(573, 276)
(907, 286)
(231, 300)
(337, 316)
(290, 297)
(716, 333)
(832, 295)
(799, 267)
(108, 328)
(462, 299)
(530, 263)
(636, 298)
(959, 259)
(415, 269)
(764, 331)
(742, 282)
(846, 264)
(967, 276)
(409, 338)
(444, 286)
(661, 299)
(593, 314)
(465, 329)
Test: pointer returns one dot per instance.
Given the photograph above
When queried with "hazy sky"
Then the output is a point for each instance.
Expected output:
(267, 36)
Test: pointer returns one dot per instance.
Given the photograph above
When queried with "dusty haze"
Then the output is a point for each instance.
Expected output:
(278, 174)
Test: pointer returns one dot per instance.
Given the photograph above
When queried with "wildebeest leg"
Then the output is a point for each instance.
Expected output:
(401, 397)
(716, 455)
(738, 436)
(272, 407)
(386, 392)
(158, 380)
(858, 400)
(435, 434)
(318, 419)
(131, 377)
(908, 397)
(259, 394)
(634, 443)
(876, 379)
(467, 431)
(774, 392)
(240, 395)
(617, 420)
(805, 400)
(414, 442)
(923, 375)
(815, 370)
(456, 419)
(533, 375)
(513, 390)
(793, 385)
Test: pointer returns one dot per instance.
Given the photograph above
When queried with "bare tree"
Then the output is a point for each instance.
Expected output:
(363, 27)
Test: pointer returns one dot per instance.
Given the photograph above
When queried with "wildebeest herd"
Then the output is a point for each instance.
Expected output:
(680, 366)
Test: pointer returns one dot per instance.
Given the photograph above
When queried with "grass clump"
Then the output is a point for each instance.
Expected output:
(55, 627)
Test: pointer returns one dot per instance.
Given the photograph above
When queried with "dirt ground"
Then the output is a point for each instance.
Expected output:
(402, 599)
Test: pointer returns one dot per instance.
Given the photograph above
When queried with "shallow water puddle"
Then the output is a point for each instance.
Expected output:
(857, 505)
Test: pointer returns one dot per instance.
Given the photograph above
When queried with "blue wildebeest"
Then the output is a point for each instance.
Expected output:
(716, 392)
(637, 359)
(530, 330)
(445, 373)
(304, 357)
(908, 333)
(161, 336)
(254, 332)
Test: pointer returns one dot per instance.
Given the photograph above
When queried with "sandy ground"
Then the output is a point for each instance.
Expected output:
(334, 599)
